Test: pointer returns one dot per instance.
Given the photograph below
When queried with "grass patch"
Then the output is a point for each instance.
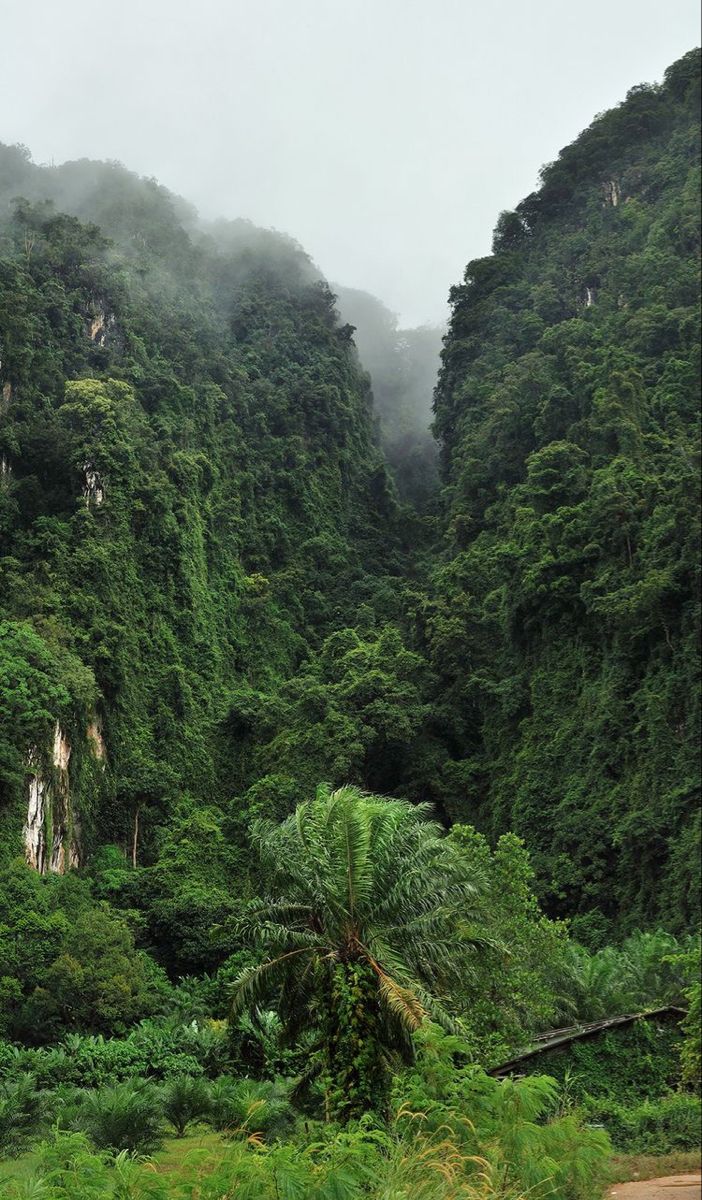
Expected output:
(201, 1145)
(205, 1148)
(20, 1167)
(629, 1167)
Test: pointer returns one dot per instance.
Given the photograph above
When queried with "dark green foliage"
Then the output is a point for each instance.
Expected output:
(125, 1116)
(187, 894)
(356, 711)
(565, 617)
(67, 963)
(629, 1065)
(23, 1108)
(185, 1099)
(652, 1126)
(98, 981)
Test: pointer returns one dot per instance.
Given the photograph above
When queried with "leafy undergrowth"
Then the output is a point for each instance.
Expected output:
(627, 1167)
(176, 1159)
(360, 1164)
(173, 1159)
(178, 1154)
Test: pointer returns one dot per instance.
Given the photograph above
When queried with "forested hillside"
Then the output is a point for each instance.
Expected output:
(403, 365)
(330, 784)
(209, 592)
(565, 624)
(191, 500)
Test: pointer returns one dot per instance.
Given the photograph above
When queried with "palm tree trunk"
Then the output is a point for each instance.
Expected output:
(357, 1072)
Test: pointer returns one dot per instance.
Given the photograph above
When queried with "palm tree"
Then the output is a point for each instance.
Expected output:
(365, 928)
(641, 973)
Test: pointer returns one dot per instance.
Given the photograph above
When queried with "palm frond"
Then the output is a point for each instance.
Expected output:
(252, 983)
(401, 1001)
(354, 874)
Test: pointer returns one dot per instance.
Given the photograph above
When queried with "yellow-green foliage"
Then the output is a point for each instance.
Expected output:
(514, 1125)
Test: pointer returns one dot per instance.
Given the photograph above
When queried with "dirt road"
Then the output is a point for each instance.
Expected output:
(673, 1187)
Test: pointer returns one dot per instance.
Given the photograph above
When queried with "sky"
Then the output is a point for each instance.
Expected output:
(385, 135)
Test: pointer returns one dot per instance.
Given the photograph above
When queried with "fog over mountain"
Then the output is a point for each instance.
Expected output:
(162, 233)
(403, 365)
(384, 135)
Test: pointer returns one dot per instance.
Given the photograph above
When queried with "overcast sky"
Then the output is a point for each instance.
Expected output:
(385, 135)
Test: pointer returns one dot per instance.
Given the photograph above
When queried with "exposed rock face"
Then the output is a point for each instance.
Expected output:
(100, 325)
(52, 830)
(6, 394)
(34, 831)
(96, 740)
(61, 749)
(93, 487)
(51, 835)
(612, 193)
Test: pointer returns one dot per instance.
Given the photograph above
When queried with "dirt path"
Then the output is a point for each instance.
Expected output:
(673, 1187)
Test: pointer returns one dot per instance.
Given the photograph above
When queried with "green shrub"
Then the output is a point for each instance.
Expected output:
(478, 1140)
(510, 1124)
(652, 1126)
(185, 1099)
(127, 1116)
(646, 971)
(250, 1106)
(70, 1168)
(155, 1050)
(23, 1108)
(691, 1047)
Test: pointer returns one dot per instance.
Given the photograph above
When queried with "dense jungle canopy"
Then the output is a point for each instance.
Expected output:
(348, 725)
(212, 595)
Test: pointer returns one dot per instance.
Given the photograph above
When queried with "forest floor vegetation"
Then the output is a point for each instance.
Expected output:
(627, 1167)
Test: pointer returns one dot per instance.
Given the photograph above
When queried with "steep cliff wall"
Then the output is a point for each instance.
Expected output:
(566, 615)
(191, 497)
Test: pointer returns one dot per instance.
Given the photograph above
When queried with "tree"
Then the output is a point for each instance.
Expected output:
(31, 692)
(690, 1053)
(98, 981)
(184, 894)
(365, 928)
(516, 990)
